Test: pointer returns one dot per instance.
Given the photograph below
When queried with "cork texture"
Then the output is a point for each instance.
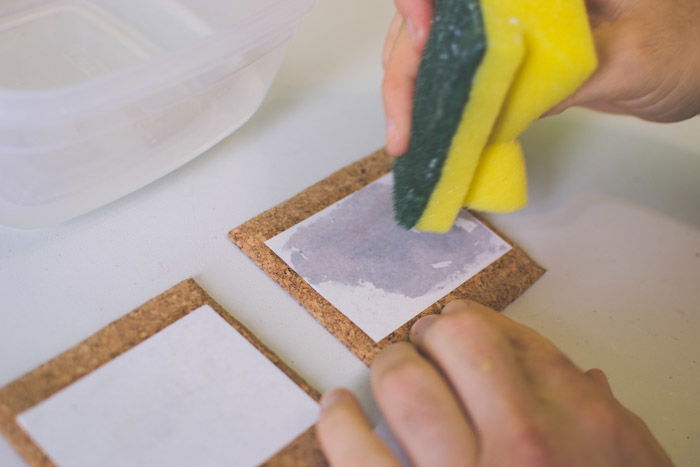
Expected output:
(118, 337)
(496, 286)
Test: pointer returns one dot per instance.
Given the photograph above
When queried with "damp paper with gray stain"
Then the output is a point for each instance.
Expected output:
(376, 273)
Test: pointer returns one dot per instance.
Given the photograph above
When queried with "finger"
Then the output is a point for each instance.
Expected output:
(346, 436)
(394, 28)
(549, 374)
(538, 356)
(469, 344)
(421, 409)
(418, 15)
(545, 367)
(398, 87)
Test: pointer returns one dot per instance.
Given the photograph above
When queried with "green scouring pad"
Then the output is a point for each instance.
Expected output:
(489, 69)
(453, 53)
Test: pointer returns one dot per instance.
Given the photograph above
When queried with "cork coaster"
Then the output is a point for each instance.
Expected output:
(495, 286)
(113, 340)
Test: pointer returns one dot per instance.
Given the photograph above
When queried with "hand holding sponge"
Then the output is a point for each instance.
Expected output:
(489, 69)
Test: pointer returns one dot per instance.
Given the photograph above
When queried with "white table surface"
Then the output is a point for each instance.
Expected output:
(614, 216)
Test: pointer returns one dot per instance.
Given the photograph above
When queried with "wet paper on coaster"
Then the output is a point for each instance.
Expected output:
(336, 249)
(177, 381)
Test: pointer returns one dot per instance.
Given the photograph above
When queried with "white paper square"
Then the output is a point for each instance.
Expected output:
(196, 393)
(376, 273)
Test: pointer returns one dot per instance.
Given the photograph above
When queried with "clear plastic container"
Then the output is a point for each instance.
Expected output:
(101, 97)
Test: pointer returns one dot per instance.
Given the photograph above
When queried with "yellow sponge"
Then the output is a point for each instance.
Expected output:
(500, 184)
(560, 56)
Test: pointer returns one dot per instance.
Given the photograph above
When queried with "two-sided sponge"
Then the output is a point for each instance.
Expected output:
(489, 69)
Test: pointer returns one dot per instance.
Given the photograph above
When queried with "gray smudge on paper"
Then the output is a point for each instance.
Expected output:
(358, 243)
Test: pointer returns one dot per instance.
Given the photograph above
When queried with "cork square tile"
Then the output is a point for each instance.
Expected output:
(170, 308)
(262, 239)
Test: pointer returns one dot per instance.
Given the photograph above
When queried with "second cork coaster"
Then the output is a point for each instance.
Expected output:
(178, 380)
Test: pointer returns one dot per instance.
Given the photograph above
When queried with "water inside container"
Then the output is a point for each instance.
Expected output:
(62, 43)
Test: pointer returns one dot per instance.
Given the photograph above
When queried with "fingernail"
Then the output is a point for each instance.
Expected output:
(421, 325)
(332, 397)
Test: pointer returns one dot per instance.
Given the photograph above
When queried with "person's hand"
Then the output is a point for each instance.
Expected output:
(477, 389)
(649, 62)
(403, 47)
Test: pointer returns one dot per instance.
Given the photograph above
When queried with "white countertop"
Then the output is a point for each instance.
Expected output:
(614, 216)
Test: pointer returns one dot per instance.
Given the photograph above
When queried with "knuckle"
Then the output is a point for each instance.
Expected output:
(599, 416)
(531, 447)
(554, 360)
(401, 375)
(638, 52)
(401, 390)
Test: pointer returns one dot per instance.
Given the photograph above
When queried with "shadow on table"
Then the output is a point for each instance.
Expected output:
(618, 161)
